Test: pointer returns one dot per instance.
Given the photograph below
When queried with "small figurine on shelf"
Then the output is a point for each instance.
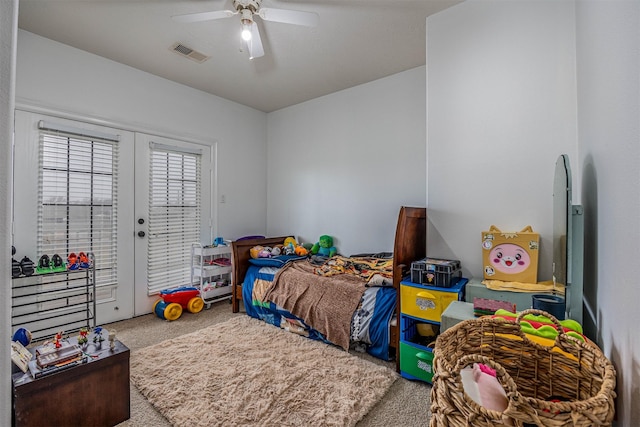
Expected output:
(97, 334)
(82, 336)
(112, 339)
(57, 340)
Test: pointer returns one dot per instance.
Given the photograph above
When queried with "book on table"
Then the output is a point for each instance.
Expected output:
(20, 355)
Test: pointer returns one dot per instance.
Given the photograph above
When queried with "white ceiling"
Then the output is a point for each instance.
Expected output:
(356, 41)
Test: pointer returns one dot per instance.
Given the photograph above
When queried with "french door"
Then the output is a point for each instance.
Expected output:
(136, 201)
(172, 211)
(71, 194)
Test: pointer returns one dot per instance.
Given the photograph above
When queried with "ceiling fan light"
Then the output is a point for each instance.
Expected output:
(246, 31)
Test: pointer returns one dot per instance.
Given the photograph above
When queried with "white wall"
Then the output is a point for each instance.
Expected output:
(608, 58)
(501, 102)
(55, 77)
(8, 41)
(503, 75)
(343, 164)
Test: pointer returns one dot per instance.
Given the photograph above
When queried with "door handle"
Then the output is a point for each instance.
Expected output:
(141, 234)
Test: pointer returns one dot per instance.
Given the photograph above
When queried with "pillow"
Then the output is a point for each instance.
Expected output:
(276, 261)
(380, 280)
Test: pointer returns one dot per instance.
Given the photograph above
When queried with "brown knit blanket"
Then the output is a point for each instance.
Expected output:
(326, 304)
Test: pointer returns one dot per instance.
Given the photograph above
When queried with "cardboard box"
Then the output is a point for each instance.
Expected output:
(510, 256)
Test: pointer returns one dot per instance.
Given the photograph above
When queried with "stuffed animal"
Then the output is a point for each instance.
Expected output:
(289, 246)
(255, 251)
(290, 241)
(492, 394)
(301, 251)
(480, 383)
(265, 252)
(324, 246)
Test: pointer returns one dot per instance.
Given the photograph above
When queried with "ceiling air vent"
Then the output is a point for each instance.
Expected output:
(189, 53)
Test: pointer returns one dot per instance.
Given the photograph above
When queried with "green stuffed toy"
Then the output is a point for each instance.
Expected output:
(324, 247)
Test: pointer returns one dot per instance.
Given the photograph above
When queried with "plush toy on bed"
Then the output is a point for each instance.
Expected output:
(324, 247)
(291, 247)
(260, 252)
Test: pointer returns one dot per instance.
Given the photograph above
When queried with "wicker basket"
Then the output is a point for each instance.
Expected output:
(529, 373)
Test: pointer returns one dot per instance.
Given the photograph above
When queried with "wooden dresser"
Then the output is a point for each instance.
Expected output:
(95, 393)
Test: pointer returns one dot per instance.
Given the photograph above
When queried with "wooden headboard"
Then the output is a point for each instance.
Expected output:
(410, 245)
(240, 256)
(411, 240)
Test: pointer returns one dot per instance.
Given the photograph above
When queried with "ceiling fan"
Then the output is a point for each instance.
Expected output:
(248, 10)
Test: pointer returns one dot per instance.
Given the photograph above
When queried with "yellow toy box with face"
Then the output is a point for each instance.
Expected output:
(510, 256)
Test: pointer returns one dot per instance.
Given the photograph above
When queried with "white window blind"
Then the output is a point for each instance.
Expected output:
(77, 198)
(174, 216)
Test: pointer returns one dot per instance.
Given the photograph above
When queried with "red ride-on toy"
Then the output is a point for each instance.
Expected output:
(173, 301)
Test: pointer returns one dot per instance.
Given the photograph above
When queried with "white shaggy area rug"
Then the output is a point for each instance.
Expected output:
(244, 372)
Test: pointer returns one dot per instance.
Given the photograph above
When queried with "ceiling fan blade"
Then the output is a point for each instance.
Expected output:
(254, 46)
(309, 19)
(203, 16)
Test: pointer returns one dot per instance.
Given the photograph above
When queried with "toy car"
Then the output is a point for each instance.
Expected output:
(173, 301)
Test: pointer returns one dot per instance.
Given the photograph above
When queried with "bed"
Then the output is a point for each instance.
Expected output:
(364, 311)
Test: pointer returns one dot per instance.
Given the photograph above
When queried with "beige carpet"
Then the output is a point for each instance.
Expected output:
(266, 378)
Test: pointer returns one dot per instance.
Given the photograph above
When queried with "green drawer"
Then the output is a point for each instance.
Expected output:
(416, 362)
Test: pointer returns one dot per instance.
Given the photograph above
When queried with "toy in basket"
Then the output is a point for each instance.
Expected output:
(173, 301)
(570, 383)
